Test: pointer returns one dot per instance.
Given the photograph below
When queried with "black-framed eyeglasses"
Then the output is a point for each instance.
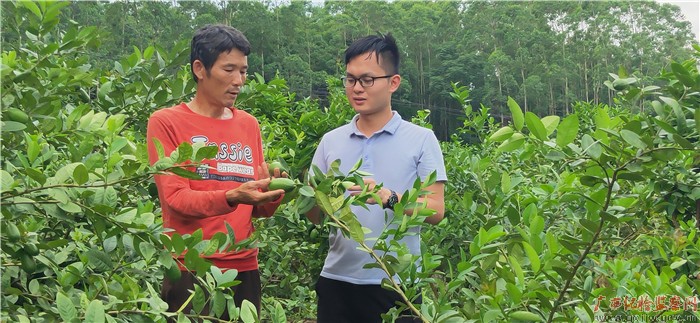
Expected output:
(365, 81)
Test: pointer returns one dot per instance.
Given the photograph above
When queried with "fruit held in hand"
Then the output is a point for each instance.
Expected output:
(275, 164)
(285, 184)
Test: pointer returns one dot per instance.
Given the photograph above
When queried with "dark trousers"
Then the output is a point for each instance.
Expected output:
(341, 302)
(176, 292)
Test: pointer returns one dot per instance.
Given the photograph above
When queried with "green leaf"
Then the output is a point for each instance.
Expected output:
(199, 299)
(104, 90)
(658, 108)
(505, 183)
(212, 246)
(80, 174)
(278, 315)
(678, 263)
(33, 149)
(532, 255)
(590, 180)
(95, 312)
(674, 105)
(178, 243)
(113, 125)
(682, 141)
(249, 313)
(307, 191)
(323, 202)
(602, 119)
(356, 166)
(550, 123)
(99, 260)
(65, 307)
(552, 242)
(591, 147)
(630, 176)
(32, 7)
(159, 148)
(573, 246)
(6, 180)
(513, 143)
(589, 225)
(179, 171)
(11, 126)
(517, 113)
(192, 258)
(207, 152)
(185, 152)
(665, 126)
(536, 225)
(181, 318)
(147, 250)
(525, 316)
(514, 293)
(501, 134)
(632, 138)
(218, 303)
(36, 175)
(492, 316)
(697, 119)
(107, 196)
(228, 279)
(66, 172)
(70, 207)
(535, 125)
(567, 130)
(515, 265)
(110, 244)
(682, 74)
(356, 231)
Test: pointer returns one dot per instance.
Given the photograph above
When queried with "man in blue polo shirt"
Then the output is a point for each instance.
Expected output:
(396, 152)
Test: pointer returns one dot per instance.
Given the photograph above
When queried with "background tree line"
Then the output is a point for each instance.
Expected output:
(548, 218)
(545, 55)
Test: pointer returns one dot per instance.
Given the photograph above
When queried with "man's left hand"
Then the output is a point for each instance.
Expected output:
(383, 193)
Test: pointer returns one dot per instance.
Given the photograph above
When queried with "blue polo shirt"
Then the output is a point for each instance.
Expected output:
(395, 155)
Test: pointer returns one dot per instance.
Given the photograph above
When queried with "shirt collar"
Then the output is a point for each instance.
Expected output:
(390, 127)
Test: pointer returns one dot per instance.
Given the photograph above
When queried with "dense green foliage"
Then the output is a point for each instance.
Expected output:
(545, 55)
(546, 217)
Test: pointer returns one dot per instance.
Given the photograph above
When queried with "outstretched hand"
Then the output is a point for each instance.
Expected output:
(253, 193)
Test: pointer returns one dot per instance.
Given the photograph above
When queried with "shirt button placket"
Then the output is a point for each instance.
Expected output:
(366, 160)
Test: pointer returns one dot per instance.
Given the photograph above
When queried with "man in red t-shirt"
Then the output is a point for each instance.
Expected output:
(234, 188)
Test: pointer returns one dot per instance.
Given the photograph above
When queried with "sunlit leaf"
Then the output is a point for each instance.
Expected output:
(516, 113)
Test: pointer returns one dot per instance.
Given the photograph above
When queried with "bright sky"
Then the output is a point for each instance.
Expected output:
(691, 11)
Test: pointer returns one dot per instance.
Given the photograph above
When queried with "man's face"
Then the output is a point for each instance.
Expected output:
(223, 82)
(369, 99)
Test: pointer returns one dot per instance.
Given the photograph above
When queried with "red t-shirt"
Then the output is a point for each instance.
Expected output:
(192, 204)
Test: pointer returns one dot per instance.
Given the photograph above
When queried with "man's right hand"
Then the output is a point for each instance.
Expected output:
(253, 193)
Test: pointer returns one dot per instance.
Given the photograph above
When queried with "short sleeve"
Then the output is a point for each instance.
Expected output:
(431, 159)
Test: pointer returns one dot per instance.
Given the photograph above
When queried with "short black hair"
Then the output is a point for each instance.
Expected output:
(380, 45)
(210, 41)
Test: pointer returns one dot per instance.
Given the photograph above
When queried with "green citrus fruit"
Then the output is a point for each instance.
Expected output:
(17, 115)
(275, 164)
(285, 184)
(27, 263)
(31, 249)
(12, 231)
